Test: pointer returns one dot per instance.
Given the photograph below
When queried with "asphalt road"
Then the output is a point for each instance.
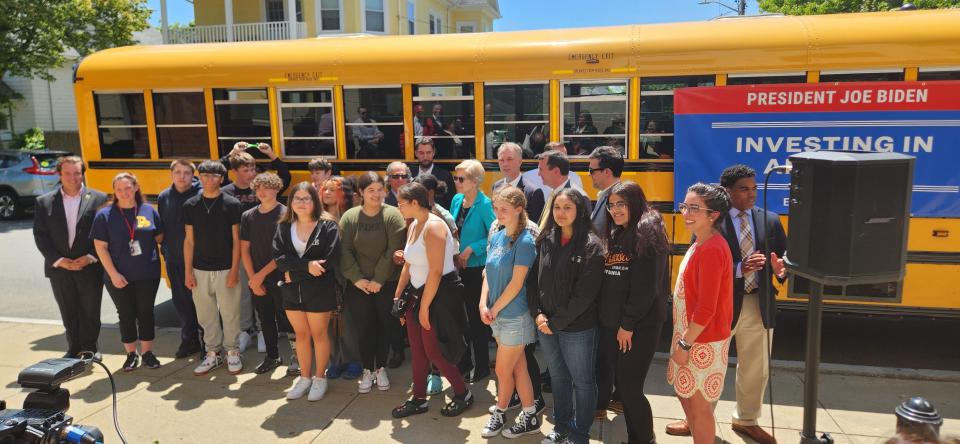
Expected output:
(919, 343)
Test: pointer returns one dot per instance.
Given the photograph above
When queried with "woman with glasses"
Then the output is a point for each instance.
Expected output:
(702, 311)
(633, 304)
(372, 232)
(306, 249)
(473, 213)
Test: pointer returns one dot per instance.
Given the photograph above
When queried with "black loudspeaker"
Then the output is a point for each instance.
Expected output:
(849, 213)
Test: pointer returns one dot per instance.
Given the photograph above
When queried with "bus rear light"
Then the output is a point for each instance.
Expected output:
(36, 169)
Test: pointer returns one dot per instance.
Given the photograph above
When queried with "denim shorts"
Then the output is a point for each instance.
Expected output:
(514, 331)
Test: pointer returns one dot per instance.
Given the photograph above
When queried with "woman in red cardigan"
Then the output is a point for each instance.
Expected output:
(702, 311)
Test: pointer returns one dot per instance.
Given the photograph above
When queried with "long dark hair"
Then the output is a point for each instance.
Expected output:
(290, 216)
(716, 199)
(644, 233)
(582, 227)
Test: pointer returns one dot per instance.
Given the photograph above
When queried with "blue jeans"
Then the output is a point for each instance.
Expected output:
(572, 359)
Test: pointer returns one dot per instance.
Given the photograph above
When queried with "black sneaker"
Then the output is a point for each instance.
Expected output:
(412, 406)
(525, 425)
(540, 405)
(396, 359)
(494, 424)
(187, 349)
(513, 405)
(133, 360)
(267, 365)
(150, 360)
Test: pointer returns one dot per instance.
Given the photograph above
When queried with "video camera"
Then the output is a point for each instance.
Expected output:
(43, 418)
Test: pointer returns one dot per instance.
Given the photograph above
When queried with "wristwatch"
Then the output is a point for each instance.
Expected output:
(683, 345)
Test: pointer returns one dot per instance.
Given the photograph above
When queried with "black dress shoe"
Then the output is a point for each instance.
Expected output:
(187, 349)
(396, 359)
(478, 375)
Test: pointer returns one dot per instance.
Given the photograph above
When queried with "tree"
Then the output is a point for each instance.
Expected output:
(35, 34)
(809, 7)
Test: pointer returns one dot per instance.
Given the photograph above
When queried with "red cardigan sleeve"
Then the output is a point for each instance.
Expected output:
(709, 289)
(709, 275)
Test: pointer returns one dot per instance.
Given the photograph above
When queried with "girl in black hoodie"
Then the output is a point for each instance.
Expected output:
(565, 312)
(633, 304)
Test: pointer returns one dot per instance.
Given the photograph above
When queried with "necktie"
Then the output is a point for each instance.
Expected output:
(746, 249)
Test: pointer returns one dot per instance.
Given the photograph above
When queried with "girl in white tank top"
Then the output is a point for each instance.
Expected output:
(415, 253)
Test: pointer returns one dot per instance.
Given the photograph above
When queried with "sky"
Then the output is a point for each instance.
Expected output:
(545, 14)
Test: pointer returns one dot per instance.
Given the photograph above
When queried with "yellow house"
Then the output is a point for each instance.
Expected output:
(247, 20)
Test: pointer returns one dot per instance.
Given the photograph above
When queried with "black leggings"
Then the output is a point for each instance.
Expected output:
(272, 317)
(478, 333)
(629, 371)
(373, 325)
(135, 308)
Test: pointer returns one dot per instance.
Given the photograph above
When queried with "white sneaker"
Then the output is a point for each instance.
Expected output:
(261, 344)
(211, 361)
(366, 382)
(317, 389)
(383, 382)
(234, 364)
(243, 340)
(300, 387)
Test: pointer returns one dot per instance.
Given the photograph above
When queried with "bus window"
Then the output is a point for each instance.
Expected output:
(181, 120)
(594, 114)
(939, 74)
(516, 113)
(122, 124)
(861, 76)
(766, 79)
(374, 122)
(656, 112)
(242, 116)
(307, 127)
(445, 113)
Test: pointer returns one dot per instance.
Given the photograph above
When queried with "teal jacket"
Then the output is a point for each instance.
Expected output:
(475, 227)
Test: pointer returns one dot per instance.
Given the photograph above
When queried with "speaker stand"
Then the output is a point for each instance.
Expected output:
(811, 379)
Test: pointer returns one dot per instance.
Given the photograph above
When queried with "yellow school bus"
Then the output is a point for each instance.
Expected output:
(139, 107)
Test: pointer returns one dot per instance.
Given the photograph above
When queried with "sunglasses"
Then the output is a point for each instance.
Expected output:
(460, 179)
(594, 170)
(399, 176)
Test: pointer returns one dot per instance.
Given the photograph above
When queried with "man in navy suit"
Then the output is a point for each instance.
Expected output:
(606, 166)
(61, 230)
(425, 152)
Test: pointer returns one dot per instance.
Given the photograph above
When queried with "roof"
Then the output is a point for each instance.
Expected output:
(479, 4)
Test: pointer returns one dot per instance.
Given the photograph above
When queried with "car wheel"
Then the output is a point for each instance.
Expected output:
(10, 207)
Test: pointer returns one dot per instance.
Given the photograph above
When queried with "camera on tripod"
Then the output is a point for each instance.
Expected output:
(43, 418)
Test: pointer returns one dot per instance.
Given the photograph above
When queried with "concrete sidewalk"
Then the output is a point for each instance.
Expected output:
(172, 405)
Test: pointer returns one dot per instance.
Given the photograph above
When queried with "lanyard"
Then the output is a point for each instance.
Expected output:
(131, 229)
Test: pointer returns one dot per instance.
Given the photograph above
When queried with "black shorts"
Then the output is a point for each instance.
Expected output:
(310, 302)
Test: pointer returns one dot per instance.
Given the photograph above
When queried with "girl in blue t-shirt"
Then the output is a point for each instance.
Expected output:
(126, 235)
(503, 306)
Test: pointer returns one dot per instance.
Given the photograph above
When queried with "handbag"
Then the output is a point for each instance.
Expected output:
(409, 297)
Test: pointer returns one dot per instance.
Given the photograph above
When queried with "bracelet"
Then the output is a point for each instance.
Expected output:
(684, 345)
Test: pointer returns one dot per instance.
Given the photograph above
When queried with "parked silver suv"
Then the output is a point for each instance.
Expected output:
(24, 175)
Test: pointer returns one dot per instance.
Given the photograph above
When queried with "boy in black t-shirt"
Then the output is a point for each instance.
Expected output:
(211, 253)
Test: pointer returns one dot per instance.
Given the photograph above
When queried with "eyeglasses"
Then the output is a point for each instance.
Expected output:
(460, 179)
(399, 176)
(616, 205)
(693, 209)
(302, 199)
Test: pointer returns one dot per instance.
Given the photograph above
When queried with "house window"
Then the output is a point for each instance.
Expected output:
(306, 122)
(276, 10)
(439, 26)
(374, 16)
(122, 126)
(594, 114)
(465, 27)
(242, 116)
(656, 112)
(516, 113)
(411, 18)
(374, 122)
(181, 119)
(329, 15)
(445, 113)
(433, 24)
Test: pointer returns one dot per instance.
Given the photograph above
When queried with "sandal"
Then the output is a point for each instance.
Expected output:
(411, 407)
(458, 405)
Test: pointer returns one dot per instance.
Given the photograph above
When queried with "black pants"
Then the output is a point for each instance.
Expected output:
(478, 333)
(272, 317)
(183, 302)
(78, 295)
(373, 325)
(135, 306)
(533, 368)
(629, 371)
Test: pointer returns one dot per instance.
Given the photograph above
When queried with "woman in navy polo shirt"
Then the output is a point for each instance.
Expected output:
(126, 235)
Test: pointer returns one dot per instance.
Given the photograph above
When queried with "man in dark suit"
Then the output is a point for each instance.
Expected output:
(606, 166)
(510, 156)
(425, 150)
(61, 230)
(554, 169)
(398, 175)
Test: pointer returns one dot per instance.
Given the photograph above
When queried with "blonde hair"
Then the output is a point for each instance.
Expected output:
(473, 168)
(514, 197)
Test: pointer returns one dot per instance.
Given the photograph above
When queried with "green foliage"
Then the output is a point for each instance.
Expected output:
(35, 34)
(31, 139)
(809, 7)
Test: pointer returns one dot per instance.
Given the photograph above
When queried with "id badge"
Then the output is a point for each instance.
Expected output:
(135, 248)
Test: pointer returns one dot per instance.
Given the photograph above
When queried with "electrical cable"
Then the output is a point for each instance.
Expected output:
(113, 390)
(766, 276)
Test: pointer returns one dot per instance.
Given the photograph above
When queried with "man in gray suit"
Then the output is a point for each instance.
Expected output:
(606, 166)
(61, 230)
(509, 157)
